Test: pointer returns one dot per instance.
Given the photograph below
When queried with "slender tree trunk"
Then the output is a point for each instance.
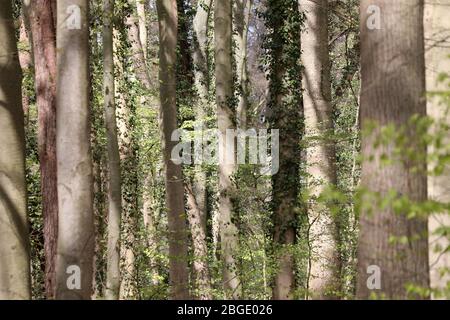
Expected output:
(137, 37)
(184, 64)
(100, 223)
(114, 175)
(198, 197)
(200, 54)
(324, 271)
(26, 63)
(229, 233)
(197, 223)
(14, 233)
(242, 10)
(390, 95)
(149, 207)
(137, 51)
(178, 264)
(99, 173)
(437, 34)
(128, 288)
(140, 9)
(44, 44)
(74, 265)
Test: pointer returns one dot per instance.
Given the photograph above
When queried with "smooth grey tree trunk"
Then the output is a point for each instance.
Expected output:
(229, 233)
(242, 10)
(140, 10)
(26, 60)
(324, 266)
(74, 263)
(392, 91)
(114, 174)
(196, 191)
(14, 233)
(138, 52)
(128, 289)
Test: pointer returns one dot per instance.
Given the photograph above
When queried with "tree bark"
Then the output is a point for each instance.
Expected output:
(128, 288)
(114, 174)
(149, 211)
(229, 234)
(197, 224)
(393, 87)
(140, 9)
(197, 199)
(14, 233)
(44, 49)
(324, 269)
(74, 265)
(26, 63)
(437, 35)
(137, 51)
(284, 114)
(242, 10)
(178, 264)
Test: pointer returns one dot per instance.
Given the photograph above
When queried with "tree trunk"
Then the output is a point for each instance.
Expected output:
(242, 10)
(26, 63)
(178, 264)
(393, 85)
(44, 49)
(14, 234)
(198, 197)
(128, 288)
(197, 223)
(437, 35)
(229, 234)
(114, 175)
(140, 9)
(283, 203)
(285, 116)
(149, 210)
(324, 269)
(74, 265)
(137, 51)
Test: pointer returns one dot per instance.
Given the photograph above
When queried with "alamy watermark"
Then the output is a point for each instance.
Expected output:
(73, 281)
(374, 18)
(73, 21)
(374, 280)
(213, 147)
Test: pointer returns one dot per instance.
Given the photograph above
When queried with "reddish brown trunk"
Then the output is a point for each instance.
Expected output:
(44, 35)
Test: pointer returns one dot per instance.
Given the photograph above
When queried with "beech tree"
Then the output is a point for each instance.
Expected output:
(196, 191)
(168, 29)
(242, 11)
(14, 233)
(75, 251)
(324, 271)
(224, 93)
(114, 187)
(390, 96)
